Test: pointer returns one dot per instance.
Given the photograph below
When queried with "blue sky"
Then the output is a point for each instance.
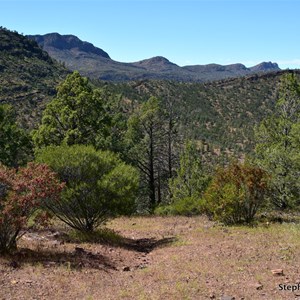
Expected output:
(186, 32)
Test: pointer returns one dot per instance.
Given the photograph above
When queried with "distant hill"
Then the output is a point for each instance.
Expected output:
(55, 41)
(28, 75)
(96, 63)
(220, 114)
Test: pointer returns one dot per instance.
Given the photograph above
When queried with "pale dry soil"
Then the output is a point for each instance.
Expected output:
(160, 258)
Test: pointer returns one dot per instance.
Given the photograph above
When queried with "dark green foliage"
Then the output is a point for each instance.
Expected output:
(15, 143)
(75, 116)
(99, 185)
(236, 193)
(81, 114)
(278, 144)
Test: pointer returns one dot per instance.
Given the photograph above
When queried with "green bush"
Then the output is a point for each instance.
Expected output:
(236, 193)
(188, 206)
(99, 185)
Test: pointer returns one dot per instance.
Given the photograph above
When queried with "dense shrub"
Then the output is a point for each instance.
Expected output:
(21, 194)
(188, 206)
(236, 193)
(99, 185)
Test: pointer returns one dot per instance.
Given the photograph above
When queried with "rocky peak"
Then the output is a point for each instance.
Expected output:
(67, 42)
(265, 66)
(157, 63)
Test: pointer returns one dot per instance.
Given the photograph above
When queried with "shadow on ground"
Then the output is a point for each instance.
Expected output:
(77, 259)
(114, 239)
(146, 245)
(81, 258)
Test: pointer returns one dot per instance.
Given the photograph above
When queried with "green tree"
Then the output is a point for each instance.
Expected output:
(99, 185)
(15, 143)
(191, 180)
(278, 144)
(188, 185)
(77, 115)
(145, 138)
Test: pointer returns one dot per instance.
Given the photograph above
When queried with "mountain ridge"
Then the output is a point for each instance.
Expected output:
(95, 63)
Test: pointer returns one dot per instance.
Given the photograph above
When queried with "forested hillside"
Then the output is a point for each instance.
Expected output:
(28, 76)
(220, 114)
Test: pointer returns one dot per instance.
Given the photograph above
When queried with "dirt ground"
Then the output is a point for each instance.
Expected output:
(157, 258)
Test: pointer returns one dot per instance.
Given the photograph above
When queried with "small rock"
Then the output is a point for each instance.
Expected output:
(277, 272)
(54, 234)
(258, 286)
(212, 296)
(126, 269)
(142, 267)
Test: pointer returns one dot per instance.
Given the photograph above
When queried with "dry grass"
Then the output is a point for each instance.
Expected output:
(156, 258)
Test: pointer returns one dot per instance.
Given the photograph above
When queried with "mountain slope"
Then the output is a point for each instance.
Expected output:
(55, 41)
(28, 75)
(221, 114)
(96, 63)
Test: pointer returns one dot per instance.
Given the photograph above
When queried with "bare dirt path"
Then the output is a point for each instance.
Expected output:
(157, 258)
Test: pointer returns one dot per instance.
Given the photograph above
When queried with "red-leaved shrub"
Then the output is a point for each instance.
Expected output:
(22, 192)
